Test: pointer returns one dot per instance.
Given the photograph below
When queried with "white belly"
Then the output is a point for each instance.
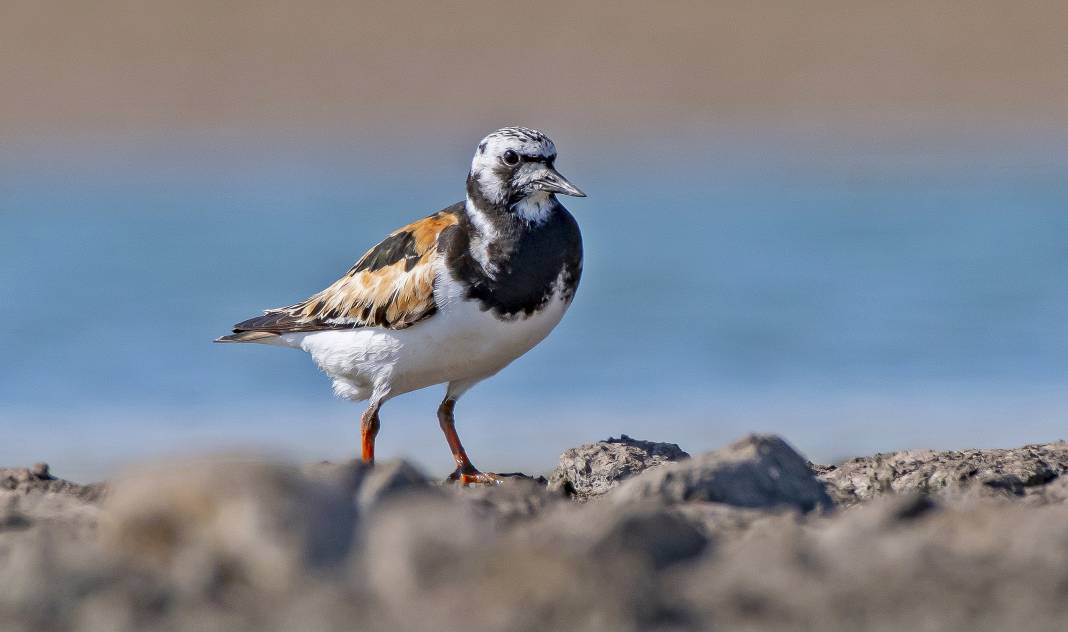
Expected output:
(460, 342)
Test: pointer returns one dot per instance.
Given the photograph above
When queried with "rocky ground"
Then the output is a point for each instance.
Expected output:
(624, 535)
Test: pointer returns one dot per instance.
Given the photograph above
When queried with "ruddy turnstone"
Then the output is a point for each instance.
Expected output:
(452, 298)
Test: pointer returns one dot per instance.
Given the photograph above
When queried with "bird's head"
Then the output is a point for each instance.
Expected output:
(513, 168)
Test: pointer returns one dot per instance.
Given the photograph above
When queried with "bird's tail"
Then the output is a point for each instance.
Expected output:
(248, 336)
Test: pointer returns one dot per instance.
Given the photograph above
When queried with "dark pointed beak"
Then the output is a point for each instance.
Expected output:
(550, 180)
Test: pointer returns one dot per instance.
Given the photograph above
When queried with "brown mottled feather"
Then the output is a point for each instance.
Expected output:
(391, 286)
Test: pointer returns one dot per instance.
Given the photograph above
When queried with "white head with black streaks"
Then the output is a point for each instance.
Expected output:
(513, 168)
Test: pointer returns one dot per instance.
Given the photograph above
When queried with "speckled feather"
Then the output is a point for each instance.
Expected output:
(391, 286)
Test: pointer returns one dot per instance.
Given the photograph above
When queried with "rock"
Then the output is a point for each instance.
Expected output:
(33, 497)
(420, 546)
(516, 498)
(1019, 472)
(646, 536)
(718, 521)
(975, 540)
(596, 468)
(389, 480)
(38, 479)
(588, 566)
(973, 566)
(218, 523)
(759, 471)
(657, 538)
(1053, 492)
(349, 475)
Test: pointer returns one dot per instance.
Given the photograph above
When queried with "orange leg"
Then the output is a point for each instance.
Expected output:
(369, 425)
(465, 473)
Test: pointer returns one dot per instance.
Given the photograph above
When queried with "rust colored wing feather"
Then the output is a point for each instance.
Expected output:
(391, 286)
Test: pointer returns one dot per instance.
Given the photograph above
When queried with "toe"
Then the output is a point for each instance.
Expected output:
(471, 476)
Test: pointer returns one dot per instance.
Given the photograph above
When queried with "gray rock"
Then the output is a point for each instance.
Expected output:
(883, 566)
(370, 486)
(596, 468)
(658, 538)
(575, 566)
(33, 497)
(221, 523)
(646, 536)
(719, 521)
(418, 545)
(1054, 492)
(38, 479)
(388, 480)
(515, 499)
(759, 471)
(349, 475)
(715, 542)
(1020, 471)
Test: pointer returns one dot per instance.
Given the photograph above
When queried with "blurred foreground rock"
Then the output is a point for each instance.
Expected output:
(628, 535)
(32, 496)
(759, 471)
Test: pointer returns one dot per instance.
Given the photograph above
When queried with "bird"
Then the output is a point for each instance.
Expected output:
(450, 299)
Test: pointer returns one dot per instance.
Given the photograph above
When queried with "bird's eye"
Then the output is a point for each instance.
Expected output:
(510, 158)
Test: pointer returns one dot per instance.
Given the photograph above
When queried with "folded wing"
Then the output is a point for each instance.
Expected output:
(391, 286)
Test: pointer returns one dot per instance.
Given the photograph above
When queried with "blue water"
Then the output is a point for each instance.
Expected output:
(850, 305)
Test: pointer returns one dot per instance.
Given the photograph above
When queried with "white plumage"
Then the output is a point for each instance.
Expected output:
(461, 345)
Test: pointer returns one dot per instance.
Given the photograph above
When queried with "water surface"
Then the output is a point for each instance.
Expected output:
(849, 304)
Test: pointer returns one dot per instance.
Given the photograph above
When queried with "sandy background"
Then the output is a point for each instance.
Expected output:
(73, 70)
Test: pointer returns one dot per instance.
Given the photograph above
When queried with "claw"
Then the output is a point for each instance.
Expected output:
(471, 476)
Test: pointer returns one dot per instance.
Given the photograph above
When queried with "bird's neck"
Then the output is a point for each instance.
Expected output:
(492, 232)
(496, 226)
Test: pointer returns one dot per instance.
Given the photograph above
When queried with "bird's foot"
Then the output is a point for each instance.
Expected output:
(471, 476)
